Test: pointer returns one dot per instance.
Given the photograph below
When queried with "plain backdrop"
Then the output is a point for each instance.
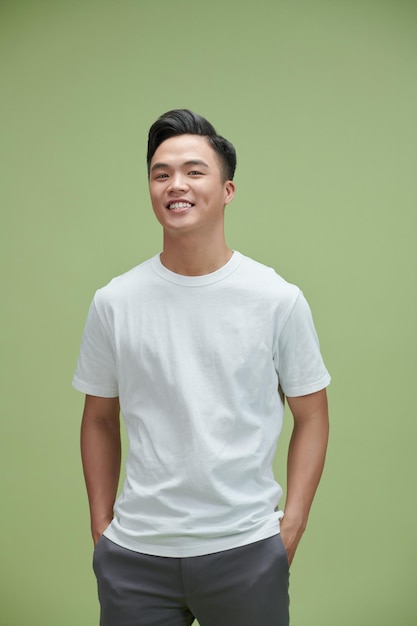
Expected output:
(319, 98)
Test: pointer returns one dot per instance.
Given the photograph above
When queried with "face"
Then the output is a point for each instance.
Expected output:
(186, 184)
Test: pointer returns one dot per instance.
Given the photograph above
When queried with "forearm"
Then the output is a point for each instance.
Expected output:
(101, 458)
(306, 456)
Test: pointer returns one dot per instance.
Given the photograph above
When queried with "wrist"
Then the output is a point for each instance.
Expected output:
(99, 526)
(295, 520)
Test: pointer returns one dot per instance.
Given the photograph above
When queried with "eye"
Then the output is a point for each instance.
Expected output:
(195, 173)
(161, 176)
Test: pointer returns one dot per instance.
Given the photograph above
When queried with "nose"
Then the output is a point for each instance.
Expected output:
(177, 183)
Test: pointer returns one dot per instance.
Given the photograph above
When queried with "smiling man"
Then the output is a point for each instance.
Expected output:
(197, 347)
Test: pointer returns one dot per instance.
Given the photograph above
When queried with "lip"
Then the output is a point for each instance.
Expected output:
(179, 200)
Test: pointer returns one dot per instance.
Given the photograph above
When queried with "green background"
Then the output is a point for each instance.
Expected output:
(320, 99)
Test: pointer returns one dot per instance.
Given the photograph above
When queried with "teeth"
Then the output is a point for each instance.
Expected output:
(179, 205)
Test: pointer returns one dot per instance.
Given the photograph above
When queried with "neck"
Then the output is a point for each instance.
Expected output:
(193, 257)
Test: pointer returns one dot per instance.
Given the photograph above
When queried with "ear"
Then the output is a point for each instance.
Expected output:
(229, 191)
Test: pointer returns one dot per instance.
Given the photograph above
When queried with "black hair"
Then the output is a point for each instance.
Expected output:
(185, 122)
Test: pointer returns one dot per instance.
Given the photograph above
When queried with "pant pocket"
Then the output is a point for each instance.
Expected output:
(283, 550)
(97, 553)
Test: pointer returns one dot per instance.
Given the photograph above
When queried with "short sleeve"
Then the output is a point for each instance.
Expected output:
(95, 373)
(300, 366)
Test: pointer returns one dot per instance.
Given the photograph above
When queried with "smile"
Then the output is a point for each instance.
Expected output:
(179, 205)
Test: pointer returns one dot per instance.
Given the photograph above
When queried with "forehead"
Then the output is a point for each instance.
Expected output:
(183, 148)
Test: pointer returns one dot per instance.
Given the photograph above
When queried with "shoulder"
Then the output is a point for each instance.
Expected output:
(265, 279)
(122, 287)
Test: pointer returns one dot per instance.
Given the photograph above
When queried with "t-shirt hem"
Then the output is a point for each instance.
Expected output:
(209, 546)
(101, 392)
(304, 390)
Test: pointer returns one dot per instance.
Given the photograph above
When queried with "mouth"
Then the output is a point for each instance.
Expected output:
(179, 206)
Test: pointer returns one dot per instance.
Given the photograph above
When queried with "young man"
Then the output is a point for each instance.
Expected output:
(192, 346)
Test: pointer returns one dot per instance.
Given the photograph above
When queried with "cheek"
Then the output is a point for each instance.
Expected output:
(156, 206)
(155, 197)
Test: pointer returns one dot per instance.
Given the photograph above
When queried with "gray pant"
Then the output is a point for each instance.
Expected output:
(246, 586)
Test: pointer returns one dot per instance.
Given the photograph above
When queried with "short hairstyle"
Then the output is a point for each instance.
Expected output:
(185, 122)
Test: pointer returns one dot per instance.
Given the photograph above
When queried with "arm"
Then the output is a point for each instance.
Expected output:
(306, 455)
(101, 458)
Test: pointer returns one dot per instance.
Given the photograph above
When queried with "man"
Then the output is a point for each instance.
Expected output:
(192, 346)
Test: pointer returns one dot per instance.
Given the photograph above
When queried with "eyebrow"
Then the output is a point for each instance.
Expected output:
(163, 166)
(196, 162)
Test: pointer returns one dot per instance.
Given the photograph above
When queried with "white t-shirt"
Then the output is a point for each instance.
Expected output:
(196, 362)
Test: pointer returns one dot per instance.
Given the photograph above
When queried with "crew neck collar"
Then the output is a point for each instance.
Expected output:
(197, 281)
